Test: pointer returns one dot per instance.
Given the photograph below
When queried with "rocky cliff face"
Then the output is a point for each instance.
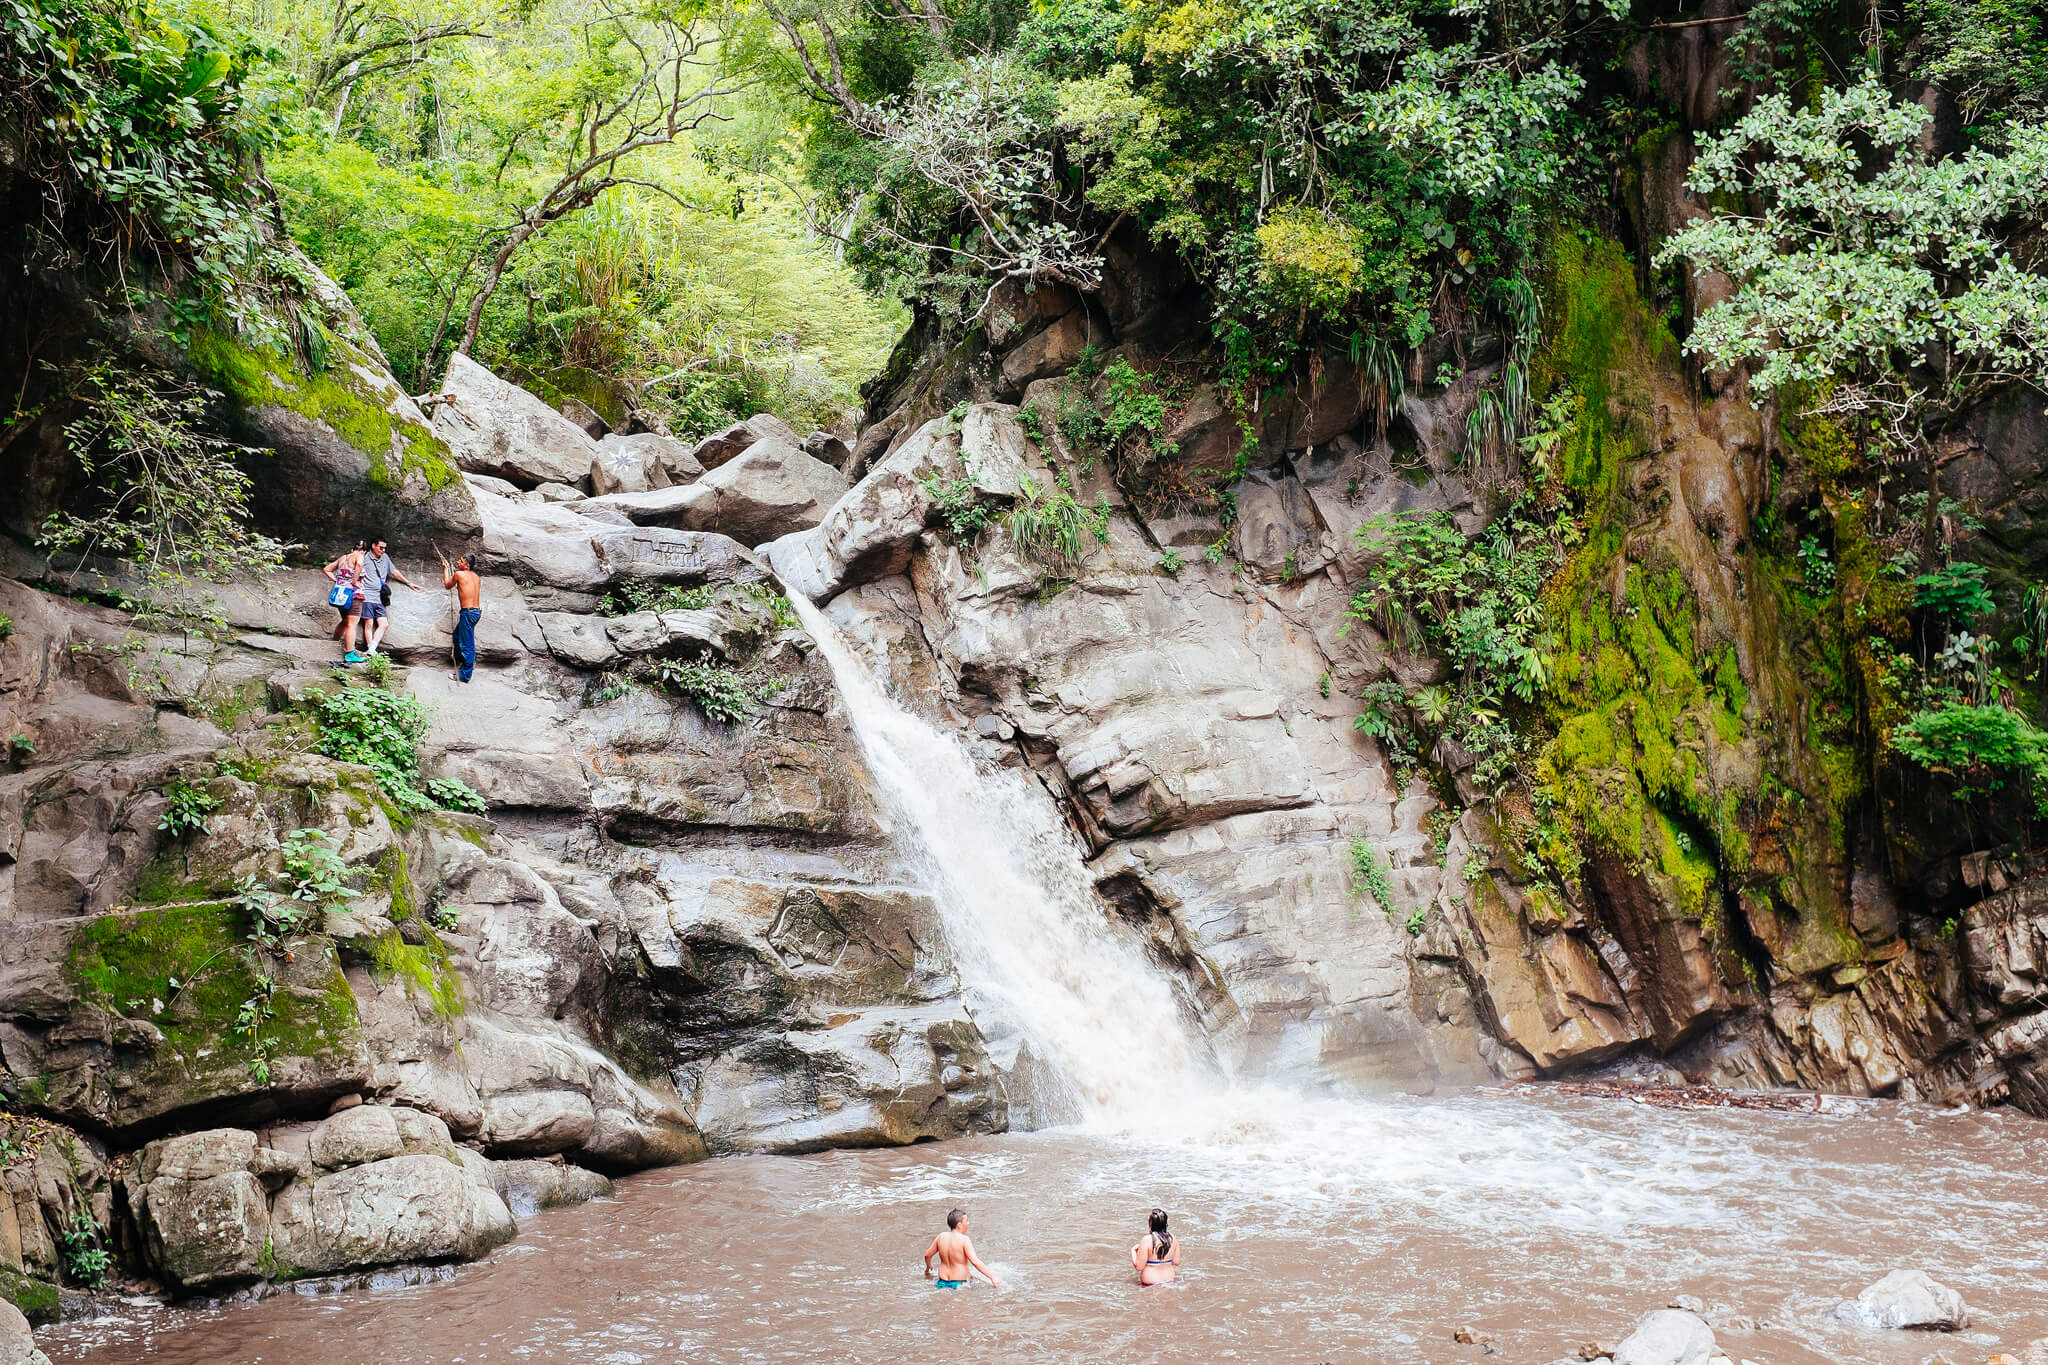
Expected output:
(1191, 707)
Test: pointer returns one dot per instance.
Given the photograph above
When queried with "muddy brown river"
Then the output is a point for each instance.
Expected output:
(1314, 1231)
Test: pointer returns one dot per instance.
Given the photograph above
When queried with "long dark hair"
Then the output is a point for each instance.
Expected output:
(1160, 1236)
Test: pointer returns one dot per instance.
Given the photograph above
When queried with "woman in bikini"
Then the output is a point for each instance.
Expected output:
(346, 572)
(1157, 1258)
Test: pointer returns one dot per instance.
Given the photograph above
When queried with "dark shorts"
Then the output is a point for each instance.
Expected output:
(370, 609)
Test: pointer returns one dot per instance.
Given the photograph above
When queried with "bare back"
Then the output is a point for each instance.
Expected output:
(954, 1255)
(1155, 1262)
(469, 589)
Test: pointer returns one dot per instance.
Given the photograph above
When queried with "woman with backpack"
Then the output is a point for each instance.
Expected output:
(346, 573)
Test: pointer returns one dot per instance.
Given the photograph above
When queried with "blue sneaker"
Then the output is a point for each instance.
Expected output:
(352, 658)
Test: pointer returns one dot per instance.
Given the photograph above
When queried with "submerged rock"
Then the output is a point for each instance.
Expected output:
(1670, 1336)
(1907, 1299)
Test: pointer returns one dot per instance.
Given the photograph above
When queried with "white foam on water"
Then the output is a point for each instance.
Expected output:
(1031, 939)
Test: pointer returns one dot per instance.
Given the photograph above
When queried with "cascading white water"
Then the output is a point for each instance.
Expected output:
(1029, 935)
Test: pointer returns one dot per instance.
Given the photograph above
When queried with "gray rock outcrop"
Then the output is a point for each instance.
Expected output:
(721, 446)
(1907, 1299)
(770, 489)
(871, 532)
(497, 428)
(372, 1187)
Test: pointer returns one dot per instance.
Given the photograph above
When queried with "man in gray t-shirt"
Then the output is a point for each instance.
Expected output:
(373, 591)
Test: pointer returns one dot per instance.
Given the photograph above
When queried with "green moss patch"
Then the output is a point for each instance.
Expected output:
(336, 398)
(127, 963)
(37, 1299)
(424, 967)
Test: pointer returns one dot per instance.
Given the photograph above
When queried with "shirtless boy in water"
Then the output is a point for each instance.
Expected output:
(955, 1254)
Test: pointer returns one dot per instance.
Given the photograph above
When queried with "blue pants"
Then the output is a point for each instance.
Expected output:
(465, 638)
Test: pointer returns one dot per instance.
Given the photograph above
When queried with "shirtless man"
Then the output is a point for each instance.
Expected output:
(469, 596)
(955, 1254)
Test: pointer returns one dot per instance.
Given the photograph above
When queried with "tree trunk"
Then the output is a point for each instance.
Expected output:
(490, 286)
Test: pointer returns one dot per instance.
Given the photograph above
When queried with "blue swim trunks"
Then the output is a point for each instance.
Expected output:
(949, 1284)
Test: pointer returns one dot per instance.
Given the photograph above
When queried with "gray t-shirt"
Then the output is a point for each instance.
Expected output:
(376, 571)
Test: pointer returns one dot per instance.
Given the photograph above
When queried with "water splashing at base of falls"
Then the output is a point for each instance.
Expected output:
(1032, 941)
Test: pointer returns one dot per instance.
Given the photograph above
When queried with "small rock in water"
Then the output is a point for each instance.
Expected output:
(1670, 1336)
(1907, 1299)
(1689, 1304)
(1470, 1336)
(1595, 1350)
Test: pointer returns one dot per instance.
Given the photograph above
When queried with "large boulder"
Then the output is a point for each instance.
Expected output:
(17, 1345)
(870, 532)
(497, 428)
(1907, 1299)
(768, 491)
(371, 1186)
(719, 447)
(1670, 1336)
(356, 1137)
(641, 463)
(404, 1208)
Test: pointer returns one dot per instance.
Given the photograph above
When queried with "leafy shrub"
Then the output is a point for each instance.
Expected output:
(959, 504)
(188, 804)
(1978, 745)
(6, 625)
(1477, 605)
(380, 730)
(452, 793)
(315, 880)
(144, 114)
(1369, 874)
(628, 598)
(85, 1258)
(1310, 258)
(1956, 591)
(726, 694)
(1171, 562)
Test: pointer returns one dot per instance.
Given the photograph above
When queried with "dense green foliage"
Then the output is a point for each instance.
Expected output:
(140, 123)
(1476, 603)
(1335, 174)
(723, 692)
(382, 729)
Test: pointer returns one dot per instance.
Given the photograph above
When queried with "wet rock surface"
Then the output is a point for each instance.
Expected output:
(1907, 1299)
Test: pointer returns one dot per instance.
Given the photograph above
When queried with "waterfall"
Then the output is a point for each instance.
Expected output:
(1037, 955)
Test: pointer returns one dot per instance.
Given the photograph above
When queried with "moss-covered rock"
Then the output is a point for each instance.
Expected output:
(349, 451)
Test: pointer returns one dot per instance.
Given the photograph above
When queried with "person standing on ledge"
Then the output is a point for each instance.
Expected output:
(469, 597)
(957, 1261)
